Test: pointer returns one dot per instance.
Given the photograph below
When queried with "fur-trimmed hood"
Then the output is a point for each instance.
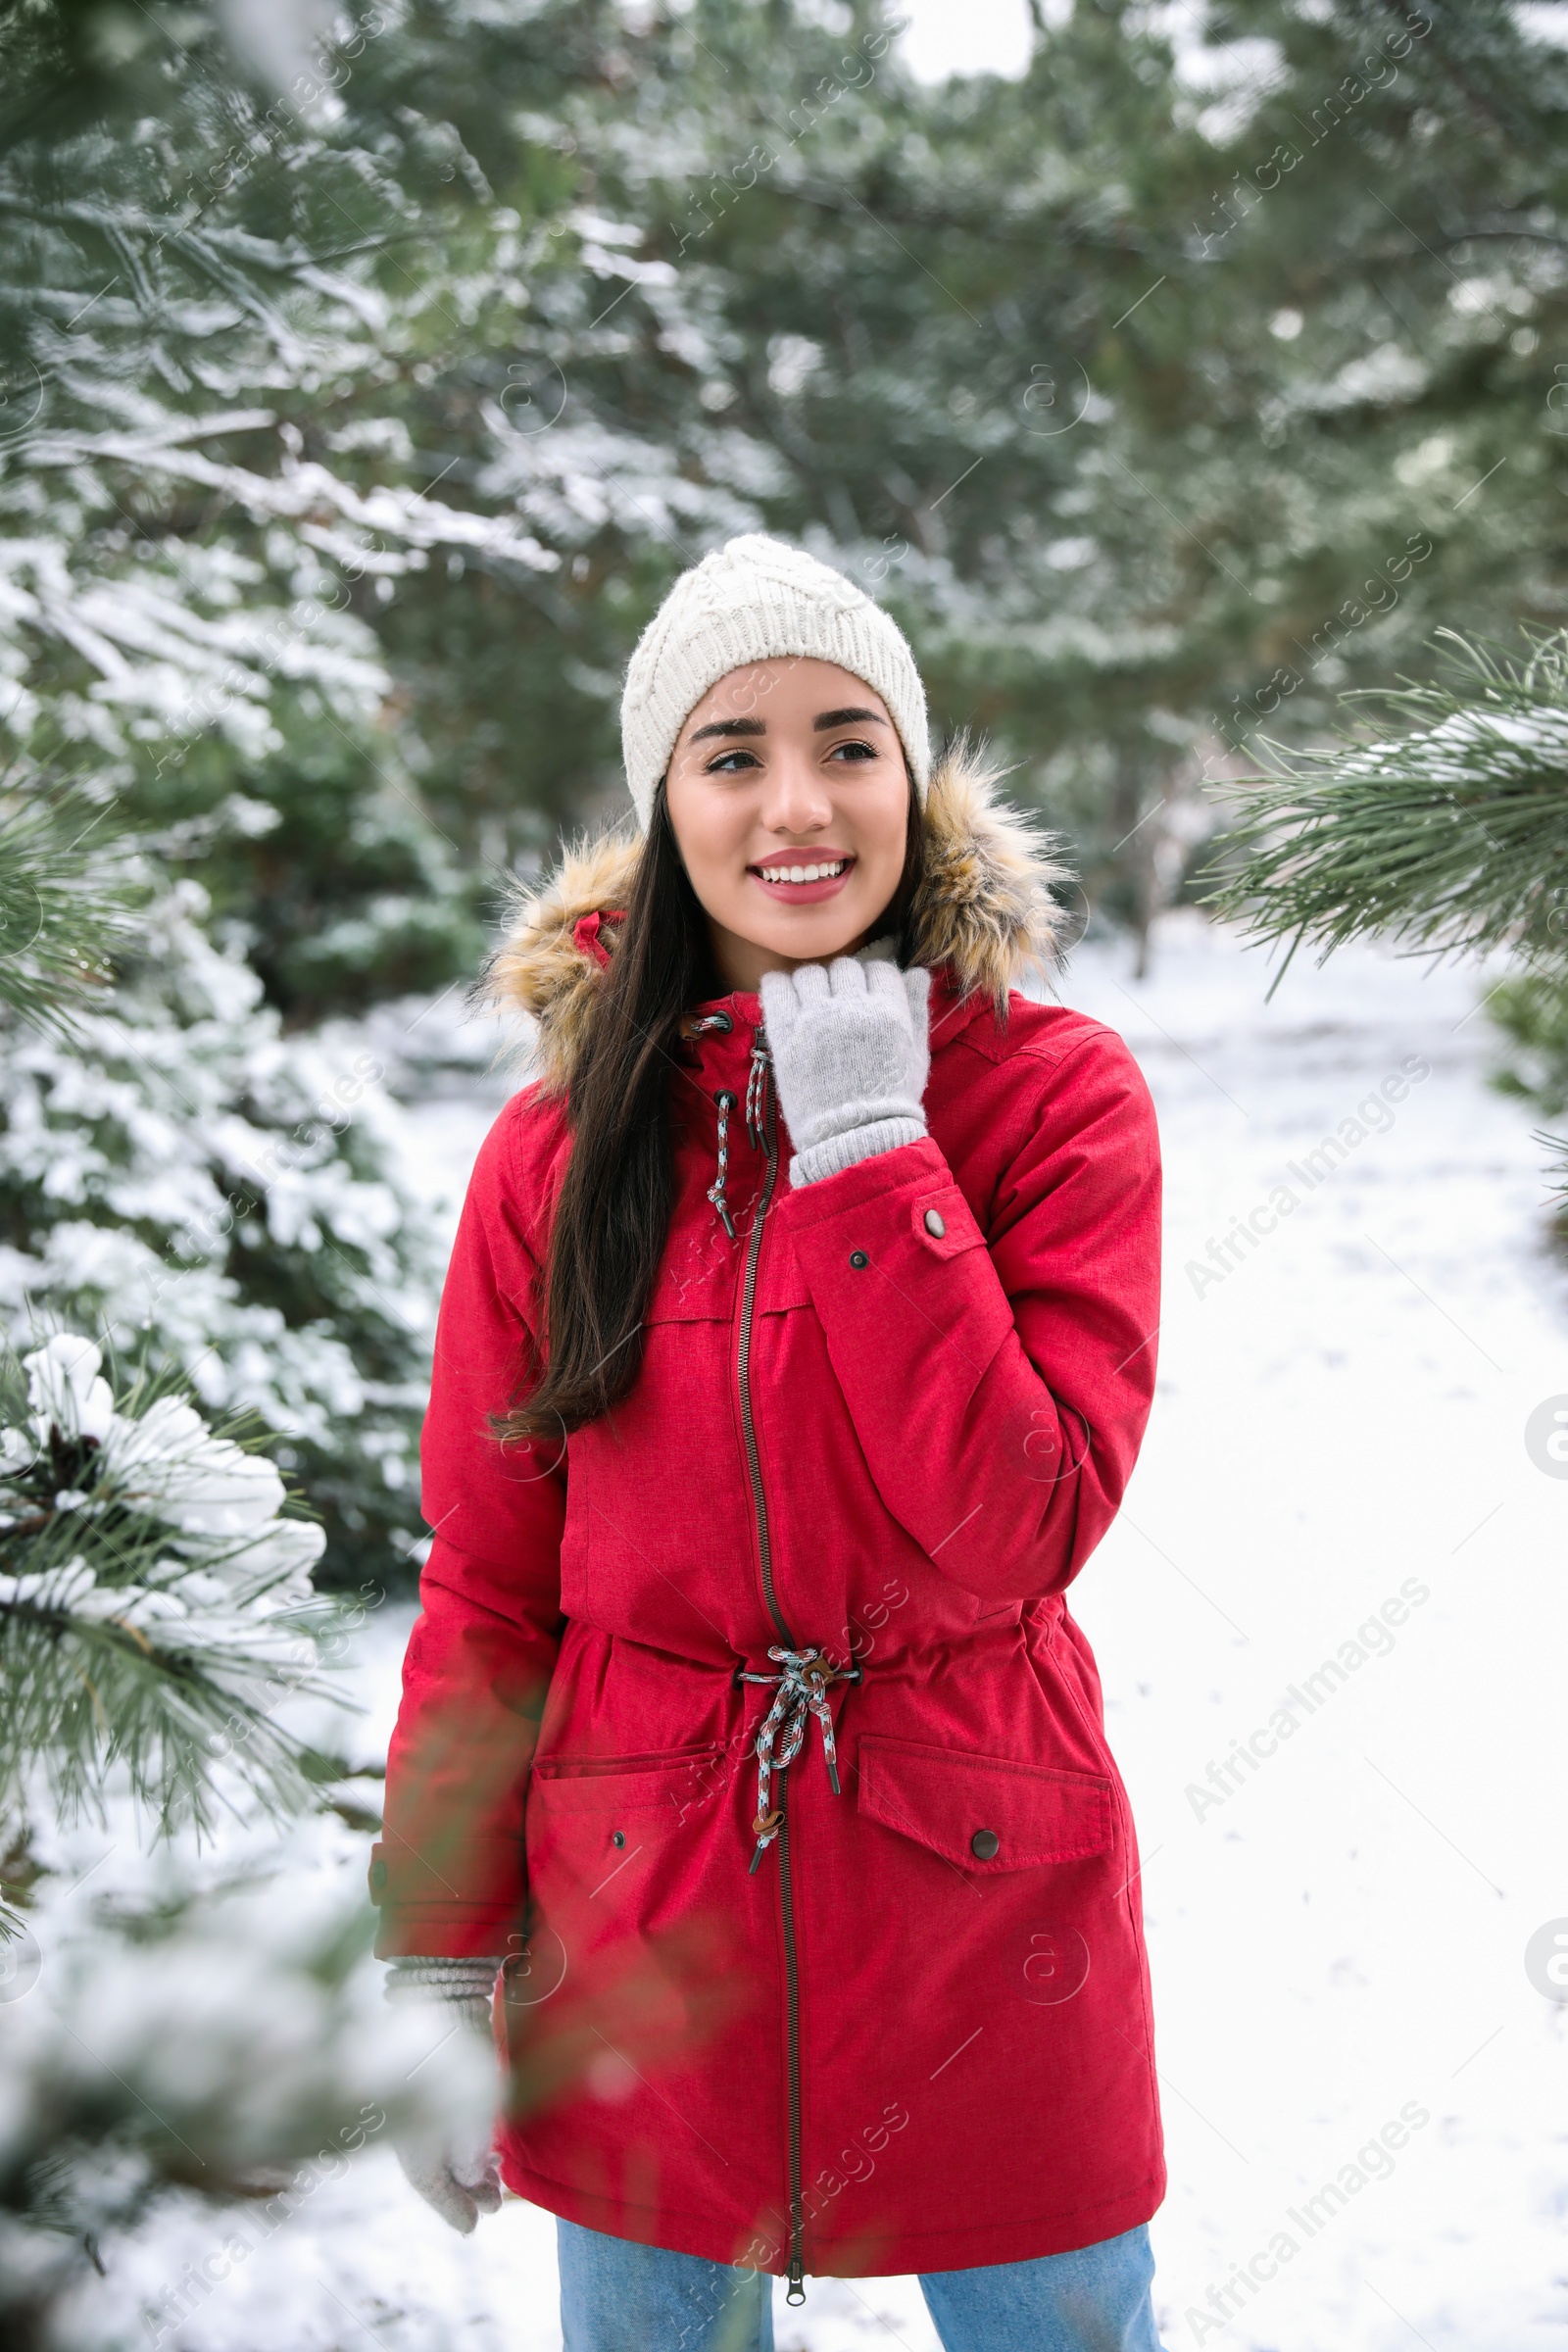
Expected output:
(984, 910)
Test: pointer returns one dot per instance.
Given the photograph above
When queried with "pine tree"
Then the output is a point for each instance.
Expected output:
(155, 1605)
(148, 1578)
(180, 1176)
(62, 908)
(1447, 829)
(157, 1623)
(1158, 421)
(183, 1174)
(1442, 826)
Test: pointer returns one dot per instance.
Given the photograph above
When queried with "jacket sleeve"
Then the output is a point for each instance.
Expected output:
(448, 1872)
(1000, 1380)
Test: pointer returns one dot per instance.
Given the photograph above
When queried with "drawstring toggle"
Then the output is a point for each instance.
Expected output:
(801, 1691)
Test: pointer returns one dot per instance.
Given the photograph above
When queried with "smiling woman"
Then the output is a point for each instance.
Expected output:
(797, 827)
(812, 1289)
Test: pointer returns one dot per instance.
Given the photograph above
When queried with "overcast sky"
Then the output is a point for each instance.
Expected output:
(965, 36)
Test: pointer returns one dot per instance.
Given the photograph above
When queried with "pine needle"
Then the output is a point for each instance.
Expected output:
(1445, 830)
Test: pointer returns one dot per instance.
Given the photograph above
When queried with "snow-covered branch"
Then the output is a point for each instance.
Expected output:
(154, 1600)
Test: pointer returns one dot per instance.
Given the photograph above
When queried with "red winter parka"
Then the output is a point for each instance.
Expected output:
(889, 1419)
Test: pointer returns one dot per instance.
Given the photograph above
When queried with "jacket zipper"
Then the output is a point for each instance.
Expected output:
(795, 2290)
(754, 1462)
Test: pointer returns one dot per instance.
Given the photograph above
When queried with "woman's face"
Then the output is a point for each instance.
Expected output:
(789, 799)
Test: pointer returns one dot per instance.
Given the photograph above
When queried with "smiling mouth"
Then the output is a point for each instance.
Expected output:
(796, 872)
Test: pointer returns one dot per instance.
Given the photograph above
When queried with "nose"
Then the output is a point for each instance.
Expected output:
(795, 799)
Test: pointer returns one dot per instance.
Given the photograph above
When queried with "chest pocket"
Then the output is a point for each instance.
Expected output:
(673, 1782)
(702, 1271)
(696, 1278)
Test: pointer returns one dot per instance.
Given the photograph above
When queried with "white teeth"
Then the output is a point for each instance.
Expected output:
(803, 873)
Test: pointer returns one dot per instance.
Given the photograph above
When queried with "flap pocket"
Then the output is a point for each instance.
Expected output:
(644, 1783)
(781, 1281)
(695, 1278)
(691, 1294)
(984, 1813)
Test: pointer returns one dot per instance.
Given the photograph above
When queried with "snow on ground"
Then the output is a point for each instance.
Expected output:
(1336, 1470)
(1340, 1421)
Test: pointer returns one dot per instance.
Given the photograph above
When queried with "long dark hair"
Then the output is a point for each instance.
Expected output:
(612, 1218)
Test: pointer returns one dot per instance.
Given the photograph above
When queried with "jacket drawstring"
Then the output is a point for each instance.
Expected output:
(715, 1191)
(757, 1089)
(801, 1691)
(756, 1113)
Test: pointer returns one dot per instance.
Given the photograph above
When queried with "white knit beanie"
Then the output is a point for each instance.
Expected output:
(757, 599)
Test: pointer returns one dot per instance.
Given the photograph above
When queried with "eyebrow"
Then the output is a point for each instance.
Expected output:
(823, 720)
(729, 726)
(844, 718)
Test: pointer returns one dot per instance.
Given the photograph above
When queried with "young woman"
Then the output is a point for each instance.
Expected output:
(797, 1345)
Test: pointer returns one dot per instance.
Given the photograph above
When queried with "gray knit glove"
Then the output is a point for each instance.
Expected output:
(852, 1051)
(457, 2174)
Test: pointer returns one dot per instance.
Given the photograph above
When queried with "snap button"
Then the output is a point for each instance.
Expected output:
(617, 1836)
(859, 1258)
(377, 1875)
(984, 1843)
(936, 1224)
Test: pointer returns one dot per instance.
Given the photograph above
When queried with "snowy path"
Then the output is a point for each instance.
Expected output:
(1338, 1931)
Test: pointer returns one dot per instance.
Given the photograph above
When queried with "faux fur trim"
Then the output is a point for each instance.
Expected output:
(984, 906)
(541, 969)
(985, 909)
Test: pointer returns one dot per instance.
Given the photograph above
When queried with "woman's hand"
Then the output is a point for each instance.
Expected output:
(453, 2170)
(851, 1053)
(458, 2182)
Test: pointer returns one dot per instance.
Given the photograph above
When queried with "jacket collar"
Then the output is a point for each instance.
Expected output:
(983, 915)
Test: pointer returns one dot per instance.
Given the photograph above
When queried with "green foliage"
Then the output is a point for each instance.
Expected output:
(154, 1606)
(1153, 419)
(1532, 1014)
(1448, 830)
(1447, 833)
(62, 906)
(184, 1177)
(183, 271)
(323, 871)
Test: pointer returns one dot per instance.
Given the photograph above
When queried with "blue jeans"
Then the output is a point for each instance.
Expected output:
(617, 2296)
